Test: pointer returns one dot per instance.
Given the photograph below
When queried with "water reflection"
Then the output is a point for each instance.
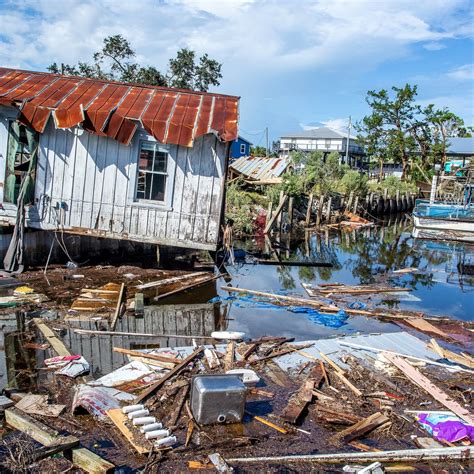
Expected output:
(441, 283)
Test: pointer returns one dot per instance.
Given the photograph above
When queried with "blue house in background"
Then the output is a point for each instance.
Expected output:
(240, 147)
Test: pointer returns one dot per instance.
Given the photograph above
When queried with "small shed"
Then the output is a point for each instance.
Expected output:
(259, 170)
(115, 160)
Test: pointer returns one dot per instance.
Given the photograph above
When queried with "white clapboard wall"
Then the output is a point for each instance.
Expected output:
(86, 185)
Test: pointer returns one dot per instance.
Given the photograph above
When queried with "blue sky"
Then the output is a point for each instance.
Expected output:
(294, 63)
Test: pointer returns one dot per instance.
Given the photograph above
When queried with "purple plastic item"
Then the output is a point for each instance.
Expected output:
(446, 427)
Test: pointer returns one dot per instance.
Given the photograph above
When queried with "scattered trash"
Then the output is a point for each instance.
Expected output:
(448, 428)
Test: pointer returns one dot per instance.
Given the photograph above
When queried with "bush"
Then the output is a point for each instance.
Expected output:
(353, 181)
(393, 184)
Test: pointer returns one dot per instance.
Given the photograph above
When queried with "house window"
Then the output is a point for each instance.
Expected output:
(20, 166)
(328, 144)
(242, 149)
(152, 172)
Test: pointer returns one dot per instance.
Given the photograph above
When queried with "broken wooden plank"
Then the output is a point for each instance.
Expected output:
(229, 355)
(117, 307)
(361, 428)
(461, 453)
(170, 281)
(447, 354)
(298, 402)
(178, 403)
(106, 298)
(280, 353)
(425, 326)
(274, 216)
(169, 361)
(52, 339)
(219, 463)
(34, 404)
(201, 281)
(46, 436)
(134, 437)
(268, 423)
(147, 392)
(91, 462)
(347, 383)
(281, 298)
(423, 382)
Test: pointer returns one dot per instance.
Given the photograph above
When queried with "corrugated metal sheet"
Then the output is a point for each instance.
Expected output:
(401, 342)
(260, 168)
(115, 109)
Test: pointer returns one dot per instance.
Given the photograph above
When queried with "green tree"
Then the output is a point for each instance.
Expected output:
(258, 151)
(115, 61)
(393, 117)
(445, 124)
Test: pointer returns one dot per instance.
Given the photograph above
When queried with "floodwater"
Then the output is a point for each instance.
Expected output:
(443, 285)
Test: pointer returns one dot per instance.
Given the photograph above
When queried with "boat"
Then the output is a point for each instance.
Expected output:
(444, 221)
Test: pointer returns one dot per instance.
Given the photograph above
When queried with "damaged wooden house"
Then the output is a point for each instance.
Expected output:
(114, 160)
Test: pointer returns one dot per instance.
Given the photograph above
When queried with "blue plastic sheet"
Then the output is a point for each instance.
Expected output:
(333, 320)
(357, 305)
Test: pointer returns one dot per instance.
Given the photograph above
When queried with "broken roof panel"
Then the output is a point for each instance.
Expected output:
(261, 169)
(113, 109)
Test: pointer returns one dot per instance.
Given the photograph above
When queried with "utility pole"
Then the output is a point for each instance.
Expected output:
(348, 138)
(266, 134)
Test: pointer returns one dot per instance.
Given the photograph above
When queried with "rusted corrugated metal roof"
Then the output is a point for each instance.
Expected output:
(115, 109)
(260, 168)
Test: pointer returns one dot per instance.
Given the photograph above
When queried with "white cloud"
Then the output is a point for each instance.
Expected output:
(462, 73)
(458, 104)
(283, 35)
(434, 46)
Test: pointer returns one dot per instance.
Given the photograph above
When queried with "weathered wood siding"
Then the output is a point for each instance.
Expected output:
(185, 320)
(86, 184)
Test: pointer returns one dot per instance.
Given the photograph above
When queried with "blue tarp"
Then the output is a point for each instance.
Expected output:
(332, 320)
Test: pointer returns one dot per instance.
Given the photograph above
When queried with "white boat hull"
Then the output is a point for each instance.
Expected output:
(443, 224)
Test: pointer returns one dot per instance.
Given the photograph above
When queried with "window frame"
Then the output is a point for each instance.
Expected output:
(242, 149)
(169, 176)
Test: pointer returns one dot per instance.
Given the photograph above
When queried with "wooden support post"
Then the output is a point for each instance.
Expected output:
(328, 209)
(275, 215)
(269, 211)
(319, 215)
(290, 212)
(308, 210)
(356, 203)
(385, 194)
(349, 202)
(117, 308)
(280, 215)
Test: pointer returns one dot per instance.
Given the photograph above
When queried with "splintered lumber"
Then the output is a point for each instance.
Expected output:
(179, 401)
(48, 437)
(447, 354)
(219, 463)
(277, 375)
(52, 339)
(274, 216)
(229, 355)
(137, 334)
(298, 401)
(96, 299)
(347, 383)
(423, 382)
(200, 281)
(461, 453)
(134, 437)
(279, 353)
(420, 359)
(425, 326)
(289, 299)
(169, 361)
(172, 280)
(117, 307)
(360, 290)
(336, 415)
(361, 428)
(147, 392)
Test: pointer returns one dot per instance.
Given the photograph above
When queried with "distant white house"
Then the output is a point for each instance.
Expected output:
(322, 139)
